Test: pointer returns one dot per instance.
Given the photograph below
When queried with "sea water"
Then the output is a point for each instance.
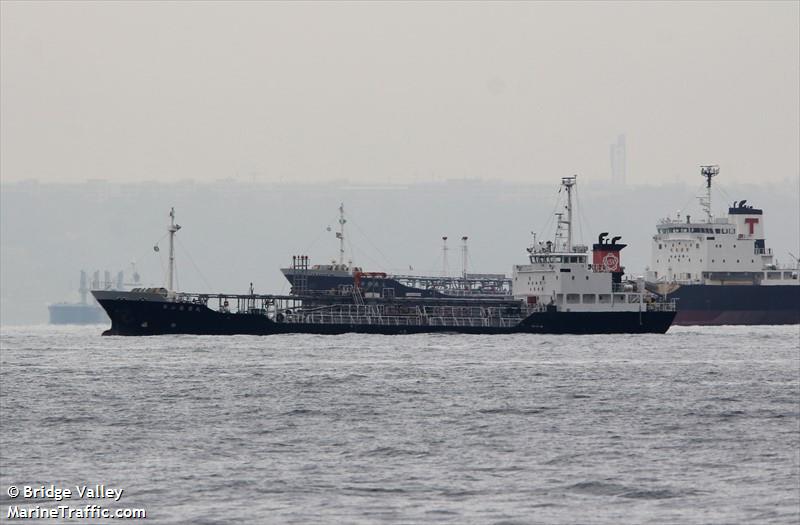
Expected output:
(701, 425)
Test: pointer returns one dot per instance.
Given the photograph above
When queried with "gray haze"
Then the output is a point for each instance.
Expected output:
(397, 92)
(237, 232)
(256, 119)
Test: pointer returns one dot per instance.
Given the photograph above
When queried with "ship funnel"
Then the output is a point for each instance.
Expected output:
(749, 222)
(605, 257)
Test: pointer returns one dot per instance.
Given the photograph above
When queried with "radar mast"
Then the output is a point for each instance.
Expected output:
(708, 172)
(568, 183)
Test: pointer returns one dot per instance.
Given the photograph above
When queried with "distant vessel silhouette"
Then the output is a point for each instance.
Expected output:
(88, 311)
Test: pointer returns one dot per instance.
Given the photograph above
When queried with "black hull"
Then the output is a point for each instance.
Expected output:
(137, 318)
(598, 323)
(736, 305)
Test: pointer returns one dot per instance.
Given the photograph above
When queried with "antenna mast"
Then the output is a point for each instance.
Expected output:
(464, 257)
(709, 172)
(444, 257)
(340, 233)
(559, 237)
(172, 229)
(568, 183)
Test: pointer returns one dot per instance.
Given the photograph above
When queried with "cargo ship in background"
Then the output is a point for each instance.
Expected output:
(559, 290)
(330, 278)
(719, 269)
(88, 311)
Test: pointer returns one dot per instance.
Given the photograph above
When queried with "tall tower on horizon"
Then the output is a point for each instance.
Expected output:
(618, 161)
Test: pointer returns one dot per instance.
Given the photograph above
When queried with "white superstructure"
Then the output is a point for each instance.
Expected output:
(561, 275)
(715, 250)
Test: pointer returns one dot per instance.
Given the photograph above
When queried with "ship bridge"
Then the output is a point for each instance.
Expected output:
(560, 274)
(691, 251)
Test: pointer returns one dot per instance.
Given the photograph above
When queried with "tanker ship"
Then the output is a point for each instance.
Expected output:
(719, 270)
(557, 290)
(327, 278)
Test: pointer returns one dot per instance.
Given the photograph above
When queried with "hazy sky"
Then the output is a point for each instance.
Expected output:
(397, 92)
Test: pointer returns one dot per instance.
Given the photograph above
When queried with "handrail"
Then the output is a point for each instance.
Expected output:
(661, 306)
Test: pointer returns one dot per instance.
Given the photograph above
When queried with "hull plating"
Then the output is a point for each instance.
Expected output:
(744, 305)
(151, 318)
(741, 317)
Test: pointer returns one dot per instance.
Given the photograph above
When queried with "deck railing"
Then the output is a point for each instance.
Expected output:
(401, 320)
(661, 306)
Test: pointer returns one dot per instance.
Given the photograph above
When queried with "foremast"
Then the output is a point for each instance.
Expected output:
(340, 233)
(171, 229)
